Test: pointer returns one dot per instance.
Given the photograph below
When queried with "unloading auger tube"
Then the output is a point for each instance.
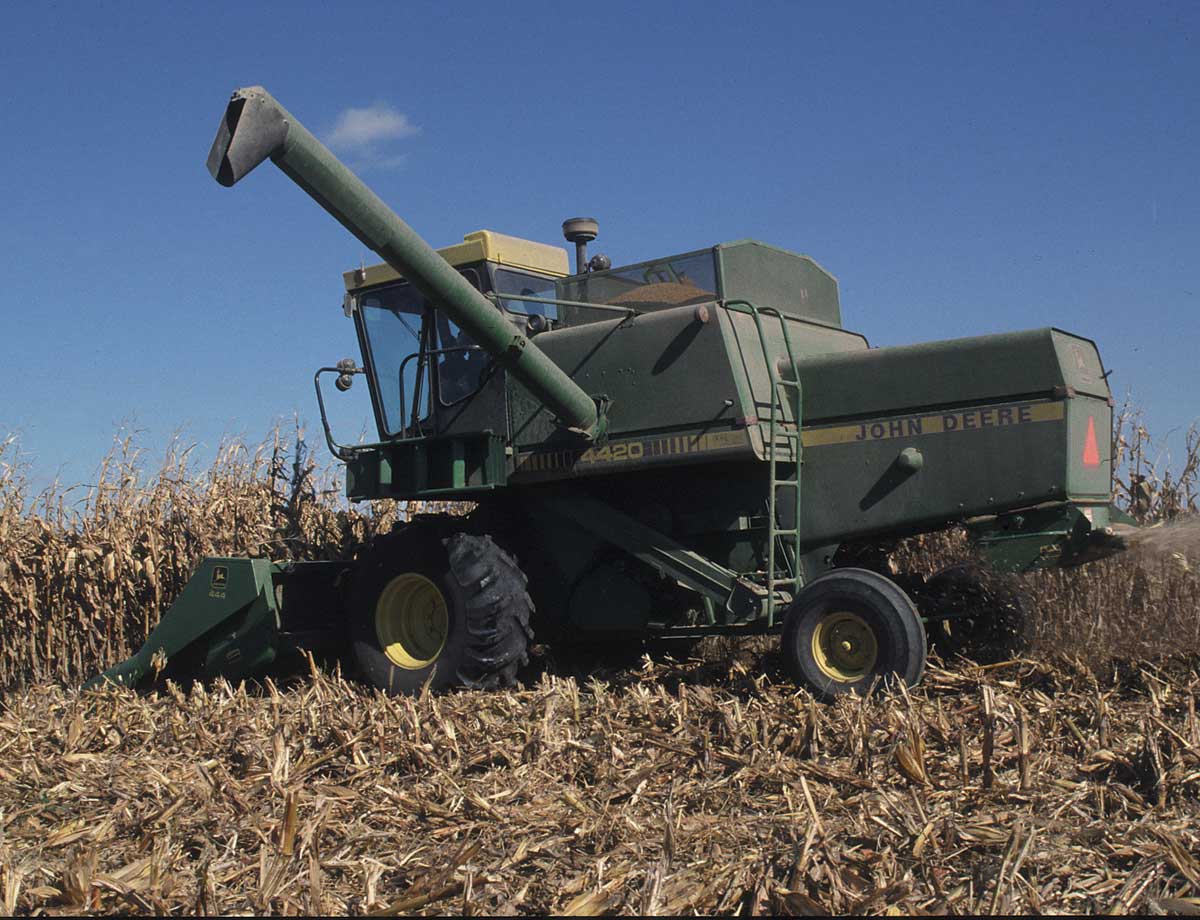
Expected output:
(255, 126)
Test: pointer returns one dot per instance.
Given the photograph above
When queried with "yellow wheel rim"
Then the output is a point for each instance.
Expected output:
(844, 646)
(411, 621)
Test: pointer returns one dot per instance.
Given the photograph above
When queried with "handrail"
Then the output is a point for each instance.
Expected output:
(497, 297)
(341, 451)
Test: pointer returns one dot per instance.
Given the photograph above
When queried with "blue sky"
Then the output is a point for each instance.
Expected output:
(962, 168)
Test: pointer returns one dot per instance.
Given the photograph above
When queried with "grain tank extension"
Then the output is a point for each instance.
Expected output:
(688, 446)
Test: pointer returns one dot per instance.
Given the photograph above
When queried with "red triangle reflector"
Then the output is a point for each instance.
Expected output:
(1091, 453)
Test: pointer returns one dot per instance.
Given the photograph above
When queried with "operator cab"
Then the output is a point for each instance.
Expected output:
(421, 367)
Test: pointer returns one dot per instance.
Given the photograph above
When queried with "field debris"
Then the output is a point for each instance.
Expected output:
(673, 788)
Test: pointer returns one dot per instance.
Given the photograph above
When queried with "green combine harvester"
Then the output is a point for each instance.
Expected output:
(685, 447)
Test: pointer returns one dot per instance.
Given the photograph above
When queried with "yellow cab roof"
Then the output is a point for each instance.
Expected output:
(480, 246)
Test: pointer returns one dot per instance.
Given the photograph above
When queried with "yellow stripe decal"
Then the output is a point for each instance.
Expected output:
(960, 420)
(902, 426)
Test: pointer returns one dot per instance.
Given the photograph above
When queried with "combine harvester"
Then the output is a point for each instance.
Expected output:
(685, 447)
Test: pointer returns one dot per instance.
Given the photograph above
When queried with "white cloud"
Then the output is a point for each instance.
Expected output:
(361, 130)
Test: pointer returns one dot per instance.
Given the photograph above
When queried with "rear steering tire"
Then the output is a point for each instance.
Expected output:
(851, 629)
(440, 610)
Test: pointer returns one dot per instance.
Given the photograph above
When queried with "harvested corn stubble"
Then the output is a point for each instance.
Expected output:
(669, 789)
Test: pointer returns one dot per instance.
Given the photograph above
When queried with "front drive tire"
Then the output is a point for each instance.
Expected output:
(849, 629)
(437, 609)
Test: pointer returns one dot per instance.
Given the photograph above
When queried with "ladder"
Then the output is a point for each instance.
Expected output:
(781, 581)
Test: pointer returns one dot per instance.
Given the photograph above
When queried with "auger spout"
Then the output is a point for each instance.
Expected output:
(255, 126)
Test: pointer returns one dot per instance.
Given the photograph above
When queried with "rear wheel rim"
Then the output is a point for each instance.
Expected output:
(844, 646)
(412, 621)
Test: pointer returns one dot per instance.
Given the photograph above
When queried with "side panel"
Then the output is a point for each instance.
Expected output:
(973, 460)
(673, 396)
(682, 389)
(1000, 422)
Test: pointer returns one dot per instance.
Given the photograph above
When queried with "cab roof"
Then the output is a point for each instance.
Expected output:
(480, 246)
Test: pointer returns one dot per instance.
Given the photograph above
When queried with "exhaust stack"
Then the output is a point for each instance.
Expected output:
(255, 126)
